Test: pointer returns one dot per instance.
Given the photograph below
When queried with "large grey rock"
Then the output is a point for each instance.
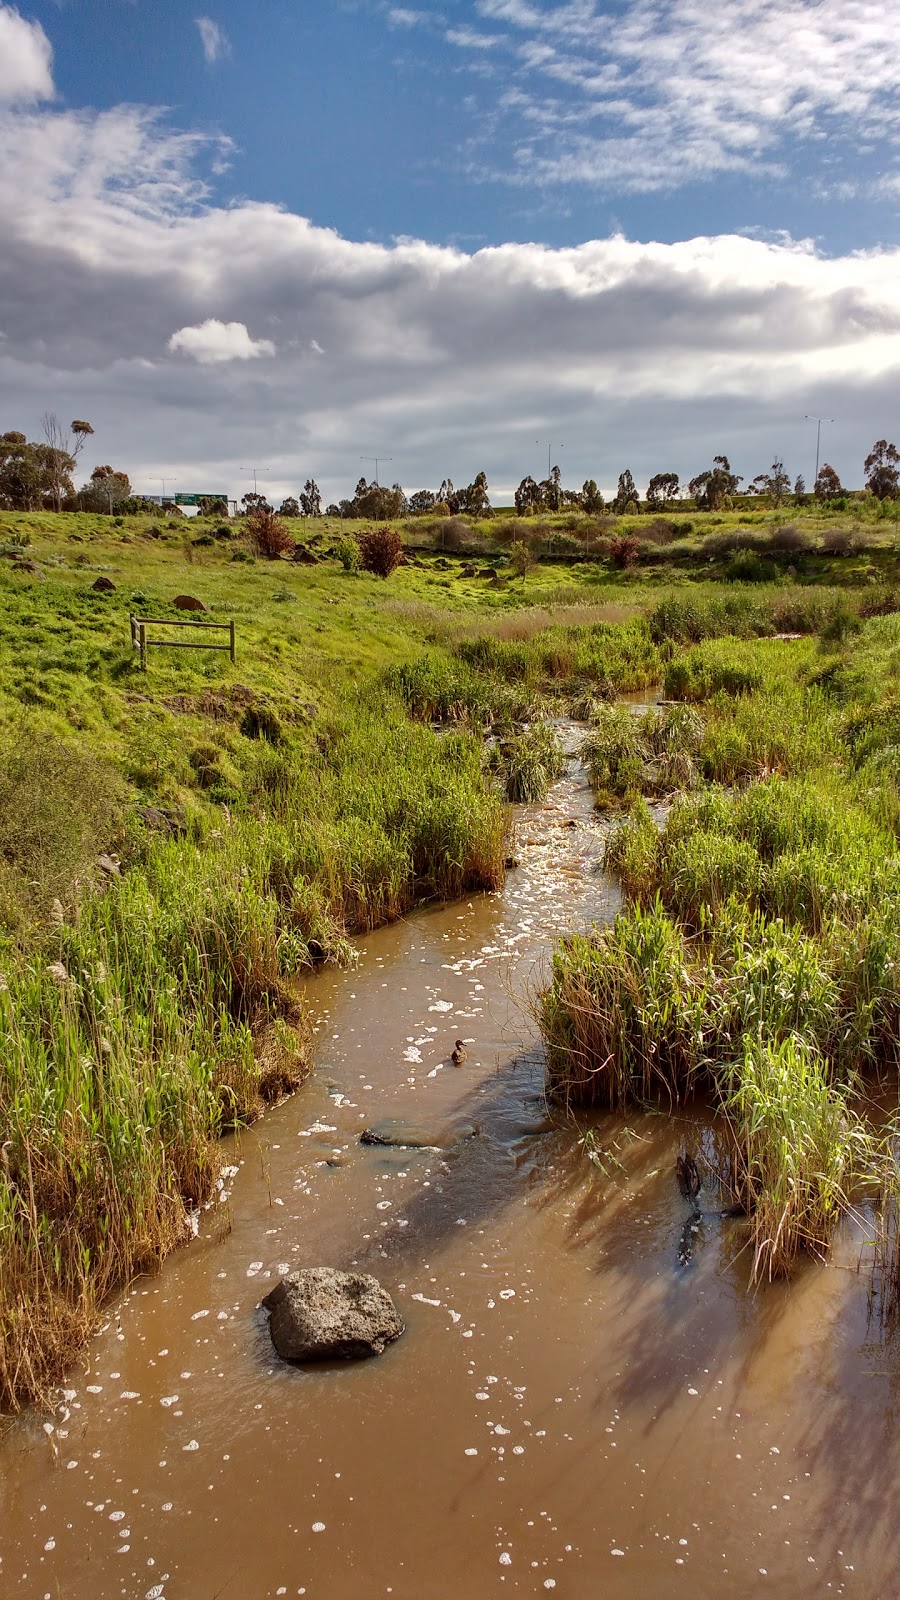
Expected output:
(396, 1131)
(321, 1314)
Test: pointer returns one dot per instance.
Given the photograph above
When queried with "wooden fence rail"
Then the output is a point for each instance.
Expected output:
(140, 640)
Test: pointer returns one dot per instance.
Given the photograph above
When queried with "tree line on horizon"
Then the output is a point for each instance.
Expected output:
(39, 475)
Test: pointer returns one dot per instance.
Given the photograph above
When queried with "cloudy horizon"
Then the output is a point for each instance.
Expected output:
(206, 333)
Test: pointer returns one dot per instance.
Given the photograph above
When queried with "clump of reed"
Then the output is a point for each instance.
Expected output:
(800, 1149)
(528, 762)
(622, 1015)
(628, 755)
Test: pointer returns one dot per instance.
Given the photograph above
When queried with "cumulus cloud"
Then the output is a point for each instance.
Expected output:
(213, 341)
(659, 93)
(215, 42)
(26, 60)
(653, 356)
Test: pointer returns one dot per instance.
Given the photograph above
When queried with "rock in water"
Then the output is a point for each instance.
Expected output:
(321, 1314)
(402, 1135)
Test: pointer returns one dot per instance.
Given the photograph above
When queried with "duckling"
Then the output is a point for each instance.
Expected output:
(688, 1175)
(459, 1053)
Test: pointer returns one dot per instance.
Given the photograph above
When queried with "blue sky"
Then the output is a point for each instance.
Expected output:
(429, 120)
(297, 234)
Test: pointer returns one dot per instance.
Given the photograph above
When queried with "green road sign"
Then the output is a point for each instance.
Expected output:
(194, 499)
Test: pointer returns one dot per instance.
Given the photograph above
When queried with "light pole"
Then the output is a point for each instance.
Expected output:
(254, 471)
(818, 422)
(163, 482)
(376, 460)
(549, 452)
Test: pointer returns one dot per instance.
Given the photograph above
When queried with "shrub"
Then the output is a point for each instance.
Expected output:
(380, 550)
(659, 531)
(267, 533)
(624, 550)
(347, 552)
(839, 541)
(521, 558)
(747, 567)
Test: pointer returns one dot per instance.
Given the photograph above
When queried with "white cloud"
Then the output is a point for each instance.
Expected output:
(403, 17)
(213, 341)
(665, 92)
(472, 38)
(26, 60)
(634, 354)
(216, 44)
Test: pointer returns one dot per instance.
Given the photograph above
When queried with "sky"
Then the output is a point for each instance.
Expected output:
(293, 236)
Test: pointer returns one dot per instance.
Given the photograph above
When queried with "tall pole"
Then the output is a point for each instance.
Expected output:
(818, 422)
(161, 480)
(549, 453)
(376, 460)
(254, 470)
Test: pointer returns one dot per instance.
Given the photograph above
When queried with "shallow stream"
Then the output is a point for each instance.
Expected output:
(571, 1407)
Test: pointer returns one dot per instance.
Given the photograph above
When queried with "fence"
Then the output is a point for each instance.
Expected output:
(140, 641)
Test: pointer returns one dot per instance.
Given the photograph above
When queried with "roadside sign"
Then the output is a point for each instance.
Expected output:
(194, 499)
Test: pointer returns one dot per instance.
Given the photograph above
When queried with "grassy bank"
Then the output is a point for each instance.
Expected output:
(758, 956)
(178, 846)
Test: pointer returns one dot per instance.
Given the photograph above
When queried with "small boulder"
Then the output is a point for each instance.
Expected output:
(322, 1314)
(103, 586)
(188, 602)
(109, 865)
(304, 556)
(173, 821)
(401, 1135)
(27, 566)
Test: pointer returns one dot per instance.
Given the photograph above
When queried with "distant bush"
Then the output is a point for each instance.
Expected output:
(790, 540)
(747, 567)
(839, 541)
(521, 558)
(347, 552)
(659, 531)
(624, 550)
(267, 534)
(380, 551)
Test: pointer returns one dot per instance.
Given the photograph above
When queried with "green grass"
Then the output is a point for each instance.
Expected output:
(304, 795)
(759, 953)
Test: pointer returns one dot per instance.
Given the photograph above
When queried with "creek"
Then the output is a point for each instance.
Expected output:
(571, 1408)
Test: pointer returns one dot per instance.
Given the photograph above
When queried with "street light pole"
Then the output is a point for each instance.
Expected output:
(376, 460)
(254, 470)
(818, 422)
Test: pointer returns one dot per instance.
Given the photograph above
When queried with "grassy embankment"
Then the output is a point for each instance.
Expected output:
(759, 956)
(296, 797)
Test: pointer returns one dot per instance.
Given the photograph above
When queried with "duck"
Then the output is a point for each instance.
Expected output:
(459, 1053)
(688, 1175)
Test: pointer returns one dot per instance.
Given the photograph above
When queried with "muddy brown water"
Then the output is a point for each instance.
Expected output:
(570, 1409)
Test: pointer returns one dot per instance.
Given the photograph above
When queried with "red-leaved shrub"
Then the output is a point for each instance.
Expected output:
(268, 535)
(380, 550)
(624, 550)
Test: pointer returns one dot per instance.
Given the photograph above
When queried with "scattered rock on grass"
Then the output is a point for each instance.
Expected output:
(103, 586)
(188, 602)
